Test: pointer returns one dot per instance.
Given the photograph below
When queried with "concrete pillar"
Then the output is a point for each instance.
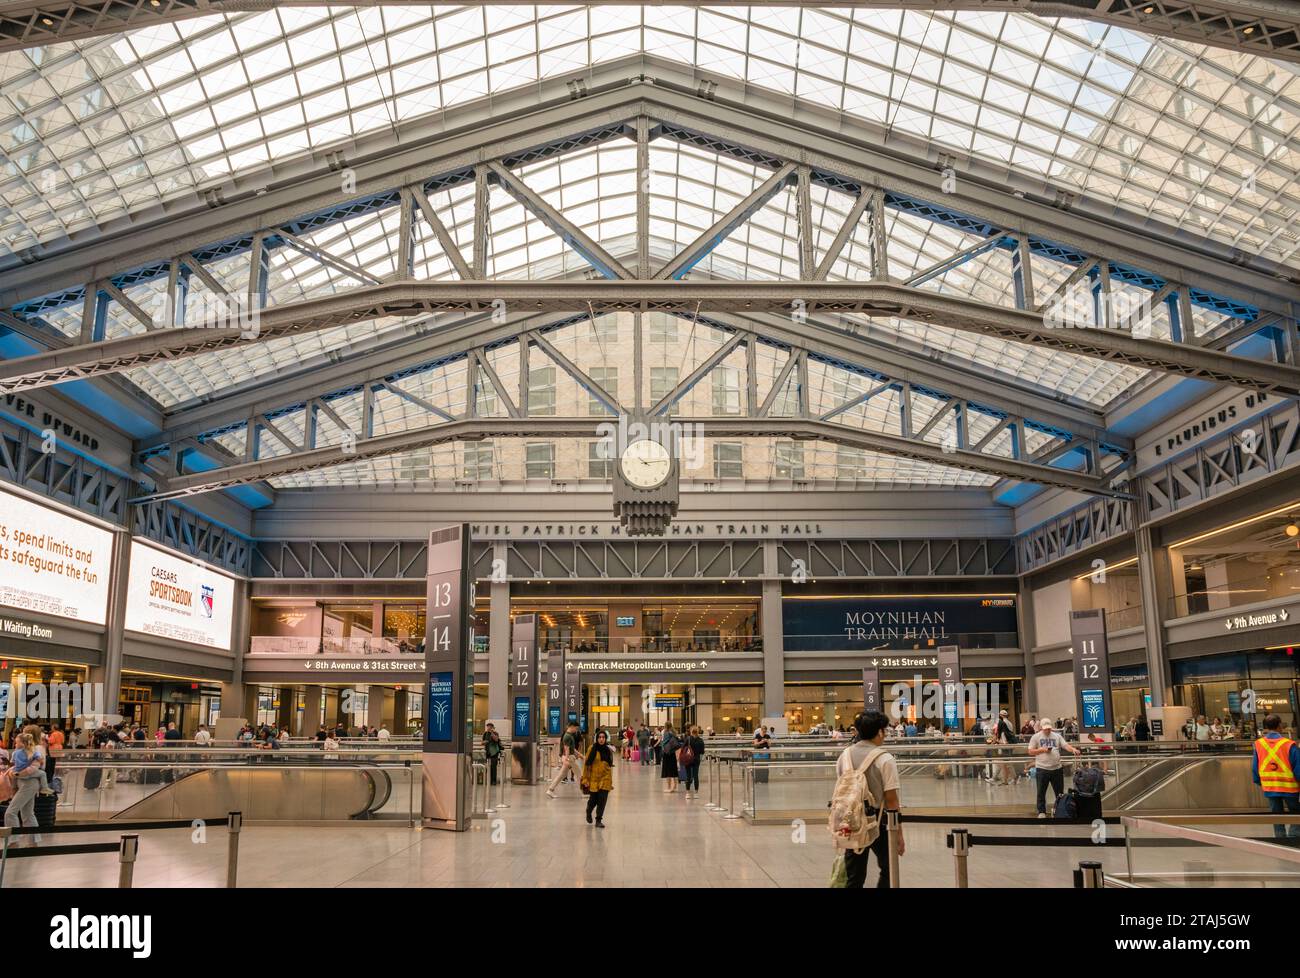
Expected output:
(498, 677)
(400, 704)
(286, 714)
(1156, 578)
(250, 703)
(773, 635)
(109, 671)
(1216, 585)
(375, 706)
(632, 711)
(1028, 632)
(311, 711)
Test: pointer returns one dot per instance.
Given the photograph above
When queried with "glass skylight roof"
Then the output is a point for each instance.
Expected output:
(1200, 137)
(96, 130)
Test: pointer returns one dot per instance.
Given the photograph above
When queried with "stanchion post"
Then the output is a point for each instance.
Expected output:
(731, 791)
(410, 796)
(126, 854)
(960, 854)
(1090, 871)
(5, 833)
(234, 822)
(895, 830)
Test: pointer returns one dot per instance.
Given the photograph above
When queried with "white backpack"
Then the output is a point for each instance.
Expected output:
(850, 825)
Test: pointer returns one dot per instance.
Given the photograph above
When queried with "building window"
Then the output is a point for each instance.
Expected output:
(850, 463)
(606, 377)
(478, 460)
(541, 391)
(662, 381)
(787, 458)
(415, 468)
(485, 398)
(604, 328)
(598, 466)
(540, 460)
(663, 329)
(726, 390)
(727, 460)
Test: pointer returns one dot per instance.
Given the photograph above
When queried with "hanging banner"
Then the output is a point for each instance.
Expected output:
(449, 685)
(523, 698)
(52, 564)
(871, 690)
(177, 599)
(950, 676)
(555, 694)
(1092, 671)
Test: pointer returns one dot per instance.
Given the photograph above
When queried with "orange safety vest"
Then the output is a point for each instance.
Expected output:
(1273, 756)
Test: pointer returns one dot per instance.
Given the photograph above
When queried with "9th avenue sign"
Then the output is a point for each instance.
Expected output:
(1258, 620)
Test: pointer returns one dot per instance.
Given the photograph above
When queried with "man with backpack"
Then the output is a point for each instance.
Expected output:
(866, 787)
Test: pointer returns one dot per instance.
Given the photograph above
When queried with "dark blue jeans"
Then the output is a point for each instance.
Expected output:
(1291, 804)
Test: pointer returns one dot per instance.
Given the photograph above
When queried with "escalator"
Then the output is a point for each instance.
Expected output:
(306, 793)
(1208, 783)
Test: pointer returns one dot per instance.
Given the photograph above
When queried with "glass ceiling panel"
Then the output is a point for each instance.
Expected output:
(95, 130)
(1204, 138)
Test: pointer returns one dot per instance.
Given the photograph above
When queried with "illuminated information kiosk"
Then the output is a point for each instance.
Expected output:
(523, 699)
(449, 686)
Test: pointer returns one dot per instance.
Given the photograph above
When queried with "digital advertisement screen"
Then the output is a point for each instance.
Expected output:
(178, 599)
(523, 714)
(1094, 707)
(441, 713)
(52, 563)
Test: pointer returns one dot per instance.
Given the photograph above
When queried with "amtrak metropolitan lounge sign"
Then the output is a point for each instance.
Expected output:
(899, 622)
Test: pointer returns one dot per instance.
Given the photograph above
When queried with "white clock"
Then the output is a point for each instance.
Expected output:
(645, 464)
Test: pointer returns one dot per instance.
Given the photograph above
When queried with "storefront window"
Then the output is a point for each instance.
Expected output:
(404, 624)
(348, 628)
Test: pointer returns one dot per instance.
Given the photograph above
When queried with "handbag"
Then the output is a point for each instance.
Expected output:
(584, 786)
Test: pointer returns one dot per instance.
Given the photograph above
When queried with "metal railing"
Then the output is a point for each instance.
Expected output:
(1155, 849)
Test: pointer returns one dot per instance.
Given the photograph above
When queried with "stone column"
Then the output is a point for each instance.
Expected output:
(311, 711)
(109, 671)
(1156, 579)
(773, 635)
(1028, 638)
(498, 677)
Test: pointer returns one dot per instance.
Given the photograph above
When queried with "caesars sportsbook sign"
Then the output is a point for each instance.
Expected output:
(177, 599)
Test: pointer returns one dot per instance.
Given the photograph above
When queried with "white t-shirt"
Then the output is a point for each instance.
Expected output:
(203, 738)
(1050, 761)
(384, 733)
(882, 776)
(1202, 731)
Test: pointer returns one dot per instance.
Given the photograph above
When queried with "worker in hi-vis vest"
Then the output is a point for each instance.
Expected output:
(1273, 768)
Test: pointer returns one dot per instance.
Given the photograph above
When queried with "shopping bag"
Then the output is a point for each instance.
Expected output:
(839, 874)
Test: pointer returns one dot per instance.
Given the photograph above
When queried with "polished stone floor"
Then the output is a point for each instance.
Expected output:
(651, 839)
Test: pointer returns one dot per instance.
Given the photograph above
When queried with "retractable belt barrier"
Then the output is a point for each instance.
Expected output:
(127, 847)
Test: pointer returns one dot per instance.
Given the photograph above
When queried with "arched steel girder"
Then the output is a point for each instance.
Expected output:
(1263, 27)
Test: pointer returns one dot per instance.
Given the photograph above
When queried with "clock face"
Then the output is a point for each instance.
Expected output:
(645, 463)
